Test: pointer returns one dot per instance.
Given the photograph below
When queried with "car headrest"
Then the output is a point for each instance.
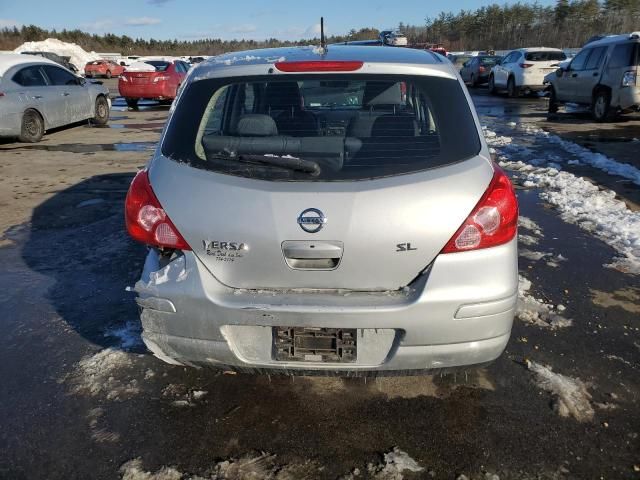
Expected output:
(283, 95)
(382, 93)
(256, 125)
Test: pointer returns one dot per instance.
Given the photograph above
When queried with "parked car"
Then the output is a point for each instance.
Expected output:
(523, 70)
(603, 75)
(54, 57)
(103, 68)
(37, 94)
(152, 80)
(476, 70)
(305, 214)
(393, 38)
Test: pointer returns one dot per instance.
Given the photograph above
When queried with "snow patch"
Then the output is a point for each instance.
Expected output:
(132, 470)
(586, 156)
(528, 224)
(174, 271)
(249, 467)
(395, 462)
(571, 397)
(129, 334)
(140, 67)
(592, 209)
(78, 56)
(95, 375)
(536, 312)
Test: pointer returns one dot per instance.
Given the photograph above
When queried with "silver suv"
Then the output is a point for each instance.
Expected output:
(333, 211)
(603, 75)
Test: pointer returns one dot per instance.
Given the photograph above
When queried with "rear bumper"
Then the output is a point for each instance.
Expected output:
(629, 97)
(152, 91)
(454, 315)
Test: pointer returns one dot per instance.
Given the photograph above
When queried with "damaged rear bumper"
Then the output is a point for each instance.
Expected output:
(452, 316)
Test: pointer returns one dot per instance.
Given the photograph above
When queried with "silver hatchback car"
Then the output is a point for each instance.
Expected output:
(332, 211)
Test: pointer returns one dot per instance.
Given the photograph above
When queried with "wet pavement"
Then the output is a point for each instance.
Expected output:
(82, 398)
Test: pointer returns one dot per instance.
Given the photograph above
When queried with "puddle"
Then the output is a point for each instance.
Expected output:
(90, 148)
(139, 126)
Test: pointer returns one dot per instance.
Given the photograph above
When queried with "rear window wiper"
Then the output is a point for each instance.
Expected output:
(287, 161)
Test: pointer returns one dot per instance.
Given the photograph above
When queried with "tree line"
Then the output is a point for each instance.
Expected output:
(10, 38)
(568, 23)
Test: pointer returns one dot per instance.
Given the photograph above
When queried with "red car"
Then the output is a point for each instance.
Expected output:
(158, 80)
(105, 68)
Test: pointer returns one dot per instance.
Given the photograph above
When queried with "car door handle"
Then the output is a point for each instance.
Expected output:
(37, 97)
(66, 94)
(595, 74)
(574, 75)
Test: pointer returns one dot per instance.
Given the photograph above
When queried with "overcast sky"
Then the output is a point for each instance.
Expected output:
(191, 19)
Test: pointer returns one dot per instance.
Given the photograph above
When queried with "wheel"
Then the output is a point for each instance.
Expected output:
(132, 102)
(473, 81)
(492, 85)
(601, 106)
(108, 74)
(512, 90)
(88, 75)
(553, 102)
(102, 111)
(32, 128)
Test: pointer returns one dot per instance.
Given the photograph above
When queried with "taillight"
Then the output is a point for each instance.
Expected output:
(160, 78)
(124, 78)
(493, 221)
(526, 65)
(146, 220)
(318, 66)
(481, 69)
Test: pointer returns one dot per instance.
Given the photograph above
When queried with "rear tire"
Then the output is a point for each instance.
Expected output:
(553, 101)
(32, 128)
(102, 111)
(601, 106)
(108, 74)
(512, 90)
(492, 85)
(132, 103)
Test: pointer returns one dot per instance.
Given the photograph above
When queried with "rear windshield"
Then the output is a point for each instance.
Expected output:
(544, 56)
(338, 128)
(489, 61)
(624, 55)
(160, 66)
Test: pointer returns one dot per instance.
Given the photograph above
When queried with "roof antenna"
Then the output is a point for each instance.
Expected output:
(323, 41)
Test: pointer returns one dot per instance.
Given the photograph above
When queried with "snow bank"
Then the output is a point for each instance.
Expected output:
(79, 57)
(536, 312)
(582, 203)
(571, 397)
